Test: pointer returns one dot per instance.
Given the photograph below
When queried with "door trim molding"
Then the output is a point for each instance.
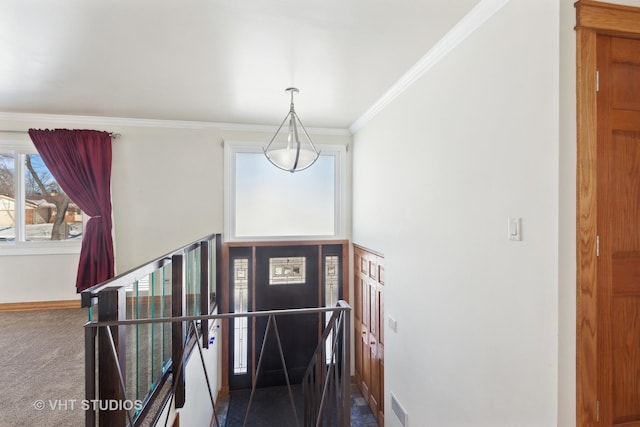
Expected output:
(607, 18)
(592, 18)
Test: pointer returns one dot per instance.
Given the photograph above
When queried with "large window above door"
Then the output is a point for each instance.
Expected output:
(263, 202)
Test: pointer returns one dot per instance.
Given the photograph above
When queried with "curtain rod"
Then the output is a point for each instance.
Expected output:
(111, 134)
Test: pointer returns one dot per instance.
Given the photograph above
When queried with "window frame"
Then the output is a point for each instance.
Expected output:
(19, 147)
(337, 151)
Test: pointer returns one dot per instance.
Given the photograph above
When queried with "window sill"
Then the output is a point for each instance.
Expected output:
(44, 248)
(244, 239)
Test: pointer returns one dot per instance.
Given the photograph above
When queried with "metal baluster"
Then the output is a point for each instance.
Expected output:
(286, 374)
(206, 375)
(177, 373)
(255, 380)
(120, 376)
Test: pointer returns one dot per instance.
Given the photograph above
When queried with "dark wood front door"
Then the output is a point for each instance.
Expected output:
(287, 277)
(265, 277)
(618, 265)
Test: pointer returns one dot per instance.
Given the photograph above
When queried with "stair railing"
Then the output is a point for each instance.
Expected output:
(333, 395)
(326, 385)
(137, 358)
(144, 324)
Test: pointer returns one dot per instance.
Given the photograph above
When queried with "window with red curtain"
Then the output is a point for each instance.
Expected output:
(80, 161)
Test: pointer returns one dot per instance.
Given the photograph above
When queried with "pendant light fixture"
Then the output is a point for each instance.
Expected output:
(286, 150)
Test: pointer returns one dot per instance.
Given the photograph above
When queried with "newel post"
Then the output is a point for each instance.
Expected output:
(178, 309)
(111, 307)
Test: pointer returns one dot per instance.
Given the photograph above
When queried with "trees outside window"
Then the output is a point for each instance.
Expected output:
(33, 207)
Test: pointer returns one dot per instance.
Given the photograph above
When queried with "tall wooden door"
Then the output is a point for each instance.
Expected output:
(618, 241)
(369, 328)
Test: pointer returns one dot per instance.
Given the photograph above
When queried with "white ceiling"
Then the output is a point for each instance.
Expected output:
(212, 60)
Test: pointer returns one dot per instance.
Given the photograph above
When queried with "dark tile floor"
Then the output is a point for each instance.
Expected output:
(272, 408)
(361, 415)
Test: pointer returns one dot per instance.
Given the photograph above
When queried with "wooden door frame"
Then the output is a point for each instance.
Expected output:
(592, 19)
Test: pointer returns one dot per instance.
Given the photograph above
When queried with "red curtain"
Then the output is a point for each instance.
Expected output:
(80, 160)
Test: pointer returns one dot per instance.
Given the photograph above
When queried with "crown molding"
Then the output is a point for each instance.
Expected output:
(467, 25)
(154, 123)
(239, 127)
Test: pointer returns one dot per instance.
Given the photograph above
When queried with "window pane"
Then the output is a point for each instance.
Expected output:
(287, 271)
(272, 202)
(48, 214)
(331, 282)
(7, 198)
(331, 288)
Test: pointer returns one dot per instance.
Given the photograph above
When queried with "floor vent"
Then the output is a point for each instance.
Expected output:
(399, 411)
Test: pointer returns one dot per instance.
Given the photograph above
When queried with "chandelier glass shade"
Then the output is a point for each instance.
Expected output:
(291, 148)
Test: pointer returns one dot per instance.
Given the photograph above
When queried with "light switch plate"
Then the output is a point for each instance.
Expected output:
(393, 324)
(515, 229)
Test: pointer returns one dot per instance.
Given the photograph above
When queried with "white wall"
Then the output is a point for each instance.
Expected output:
(167, 190)
(567, 220)
(197, 410)
(436, 175)
(25, 278)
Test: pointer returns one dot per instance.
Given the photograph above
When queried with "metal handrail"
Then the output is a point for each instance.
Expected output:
(342, 306)
(342, 309)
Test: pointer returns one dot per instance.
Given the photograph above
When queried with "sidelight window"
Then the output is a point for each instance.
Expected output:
(241, 324)
(331, 293)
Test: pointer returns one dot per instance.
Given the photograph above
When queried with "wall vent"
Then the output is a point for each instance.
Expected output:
(400, 412)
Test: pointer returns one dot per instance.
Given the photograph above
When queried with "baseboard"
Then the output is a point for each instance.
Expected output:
(39, 305)
(223, 392)
(214, 422)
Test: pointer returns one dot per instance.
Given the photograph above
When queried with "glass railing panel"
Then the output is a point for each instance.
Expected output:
(138, 340)
(144, 337)
(158, 302)
(193, 283)
(131, 300)
(92, 311)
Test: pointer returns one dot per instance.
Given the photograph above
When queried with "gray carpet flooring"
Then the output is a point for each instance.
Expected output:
(42, 368)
